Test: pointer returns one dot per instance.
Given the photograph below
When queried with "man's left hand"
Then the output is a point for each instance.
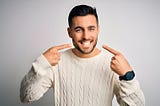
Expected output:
(119, 64)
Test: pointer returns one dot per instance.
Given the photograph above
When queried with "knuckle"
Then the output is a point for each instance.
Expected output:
(116, 57)
(112, 62)
(53, 49)
(120, 54)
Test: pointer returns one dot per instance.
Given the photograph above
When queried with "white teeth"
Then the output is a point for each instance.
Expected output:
(86, 44)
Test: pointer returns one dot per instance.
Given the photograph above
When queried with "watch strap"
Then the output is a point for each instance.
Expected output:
(128, 76)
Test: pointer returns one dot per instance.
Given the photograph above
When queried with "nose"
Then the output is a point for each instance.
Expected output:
(85, 34)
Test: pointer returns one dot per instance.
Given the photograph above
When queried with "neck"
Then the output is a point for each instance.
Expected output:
(95, 52)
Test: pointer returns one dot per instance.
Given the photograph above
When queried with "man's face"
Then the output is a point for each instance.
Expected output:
(84, 33)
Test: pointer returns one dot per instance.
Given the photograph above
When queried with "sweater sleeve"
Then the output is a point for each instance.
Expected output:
(128, 93)
(37, 81)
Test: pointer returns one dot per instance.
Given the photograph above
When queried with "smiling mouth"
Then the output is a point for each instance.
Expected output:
(85, 43)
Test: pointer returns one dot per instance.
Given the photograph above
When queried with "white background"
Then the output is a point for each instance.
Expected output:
(29, 27)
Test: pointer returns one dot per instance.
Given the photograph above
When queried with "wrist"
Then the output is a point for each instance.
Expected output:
(127, 76)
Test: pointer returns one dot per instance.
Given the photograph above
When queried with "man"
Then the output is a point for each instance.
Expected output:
(84, 75)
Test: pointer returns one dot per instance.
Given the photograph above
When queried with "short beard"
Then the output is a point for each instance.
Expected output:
(80, 50)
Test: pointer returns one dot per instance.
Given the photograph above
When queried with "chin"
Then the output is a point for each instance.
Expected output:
(86, 51)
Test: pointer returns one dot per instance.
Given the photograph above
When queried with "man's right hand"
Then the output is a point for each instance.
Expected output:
(53, 55)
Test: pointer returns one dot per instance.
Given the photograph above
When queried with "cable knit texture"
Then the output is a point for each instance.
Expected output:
(79, 82)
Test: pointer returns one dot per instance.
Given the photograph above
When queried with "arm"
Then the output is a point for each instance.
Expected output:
(128, 93)
(41, 76)
(38, 80)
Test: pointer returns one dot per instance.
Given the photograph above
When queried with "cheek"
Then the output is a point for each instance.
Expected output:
(94, 35)
(76, 37)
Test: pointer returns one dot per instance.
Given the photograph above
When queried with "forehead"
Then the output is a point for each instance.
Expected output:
(84, 21)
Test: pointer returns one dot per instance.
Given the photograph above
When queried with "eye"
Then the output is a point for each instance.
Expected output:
(78, 30)
(91, 28)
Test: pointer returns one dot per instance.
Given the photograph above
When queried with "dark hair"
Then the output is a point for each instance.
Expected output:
(81, 10)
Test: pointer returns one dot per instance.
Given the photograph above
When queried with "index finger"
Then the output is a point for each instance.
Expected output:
(64, 46)
(111, 50)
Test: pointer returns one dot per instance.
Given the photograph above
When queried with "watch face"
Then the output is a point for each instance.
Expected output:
(129, 76)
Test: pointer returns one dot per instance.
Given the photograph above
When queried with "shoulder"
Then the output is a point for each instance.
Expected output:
(66, 53)
(106, 55)
(106, 59)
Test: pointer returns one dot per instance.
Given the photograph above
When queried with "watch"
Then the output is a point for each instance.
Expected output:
(128, 76)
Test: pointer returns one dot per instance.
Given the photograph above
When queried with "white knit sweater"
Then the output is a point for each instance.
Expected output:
(79, 82)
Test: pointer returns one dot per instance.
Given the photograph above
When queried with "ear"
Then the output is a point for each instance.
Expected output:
(69, 32)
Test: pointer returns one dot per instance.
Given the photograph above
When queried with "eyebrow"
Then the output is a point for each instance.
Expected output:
(83, 28)
(92, 27)
(78, 27)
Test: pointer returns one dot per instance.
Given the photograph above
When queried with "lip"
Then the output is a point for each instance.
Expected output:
(85, 44)
(85, 41)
